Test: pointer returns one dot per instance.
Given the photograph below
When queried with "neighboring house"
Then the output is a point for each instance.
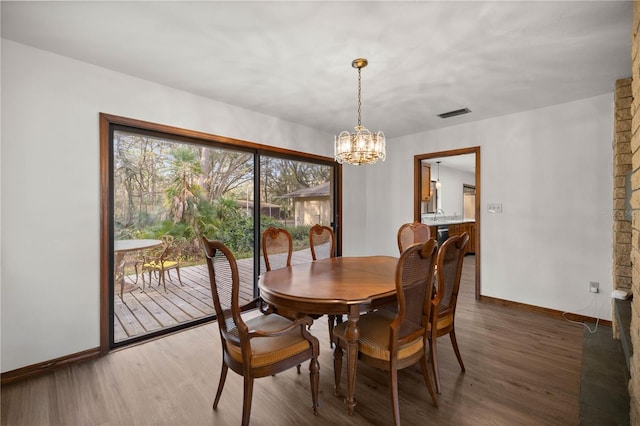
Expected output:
(312, 205)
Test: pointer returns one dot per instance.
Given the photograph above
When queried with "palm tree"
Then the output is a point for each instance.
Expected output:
(183, 192)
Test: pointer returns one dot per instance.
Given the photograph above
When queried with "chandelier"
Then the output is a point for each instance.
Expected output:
(361, 147)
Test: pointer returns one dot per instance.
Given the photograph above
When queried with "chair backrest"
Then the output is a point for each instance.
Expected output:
(171, 248)
(411, 233)
(414, 288)
(161, 252)
(322, 242)
(225, 290)
(277, 248)
(450, 258)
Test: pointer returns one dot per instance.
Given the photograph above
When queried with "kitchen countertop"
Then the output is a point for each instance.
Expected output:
(443, 222)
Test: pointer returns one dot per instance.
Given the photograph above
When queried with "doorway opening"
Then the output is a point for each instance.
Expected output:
(462, 168)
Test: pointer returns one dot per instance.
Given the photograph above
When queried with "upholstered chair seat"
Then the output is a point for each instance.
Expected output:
(272, 350)
(374, 336)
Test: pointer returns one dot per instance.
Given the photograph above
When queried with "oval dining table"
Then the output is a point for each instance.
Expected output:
(335, 286)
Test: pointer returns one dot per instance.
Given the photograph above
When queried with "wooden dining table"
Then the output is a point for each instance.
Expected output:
(335, 286)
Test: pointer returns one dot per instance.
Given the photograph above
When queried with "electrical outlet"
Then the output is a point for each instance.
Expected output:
(594, 286)
(494, 207)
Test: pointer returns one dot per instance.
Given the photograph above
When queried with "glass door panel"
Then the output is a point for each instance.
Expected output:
(295, 195)
(166, 195)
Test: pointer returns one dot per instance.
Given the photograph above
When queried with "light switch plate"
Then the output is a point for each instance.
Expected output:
(494, 207)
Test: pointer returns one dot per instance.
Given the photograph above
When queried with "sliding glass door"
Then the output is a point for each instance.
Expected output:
(166, 190)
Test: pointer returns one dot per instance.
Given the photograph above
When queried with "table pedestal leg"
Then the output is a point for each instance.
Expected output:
(352, 335)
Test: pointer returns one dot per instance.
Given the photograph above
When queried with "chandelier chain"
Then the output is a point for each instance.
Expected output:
(359, 96)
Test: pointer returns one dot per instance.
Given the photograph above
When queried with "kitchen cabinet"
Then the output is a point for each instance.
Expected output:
(425, 182)
(469, 228)
(471, 245)
(454, 230)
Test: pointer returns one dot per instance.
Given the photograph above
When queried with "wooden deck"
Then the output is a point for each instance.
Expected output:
(139, 313)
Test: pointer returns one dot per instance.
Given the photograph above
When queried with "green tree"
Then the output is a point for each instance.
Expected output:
(224, 171)
(183, 192)
(137, 179)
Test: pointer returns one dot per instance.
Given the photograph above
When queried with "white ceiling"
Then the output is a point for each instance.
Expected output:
(293, 59)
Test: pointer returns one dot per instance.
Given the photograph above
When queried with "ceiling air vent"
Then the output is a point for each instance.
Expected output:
(454, 113)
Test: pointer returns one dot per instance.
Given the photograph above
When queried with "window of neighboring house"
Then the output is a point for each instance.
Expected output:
(163, 189)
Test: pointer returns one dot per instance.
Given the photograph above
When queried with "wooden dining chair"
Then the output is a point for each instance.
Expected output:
(277, 248)
(161, 262)
(263, 345)
(442, 320)
(322, 243)
(411, 233)
(395, 340)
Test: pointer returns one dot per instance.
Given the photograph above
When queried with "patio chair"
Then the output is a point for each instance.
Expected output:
(395, 340)
(263, 345)
(442, 320)
(163, 261)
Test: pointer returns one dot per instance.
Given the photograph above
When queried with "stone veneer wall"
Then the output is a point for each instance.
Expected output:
(621, 166)
(634, 383)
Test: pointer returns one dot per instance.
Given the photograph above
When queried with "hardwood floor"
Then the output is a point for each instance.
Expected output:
(522, 368)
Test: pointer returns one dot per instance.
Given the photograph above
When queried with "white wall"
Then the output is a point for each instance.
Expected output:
(550, 168)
